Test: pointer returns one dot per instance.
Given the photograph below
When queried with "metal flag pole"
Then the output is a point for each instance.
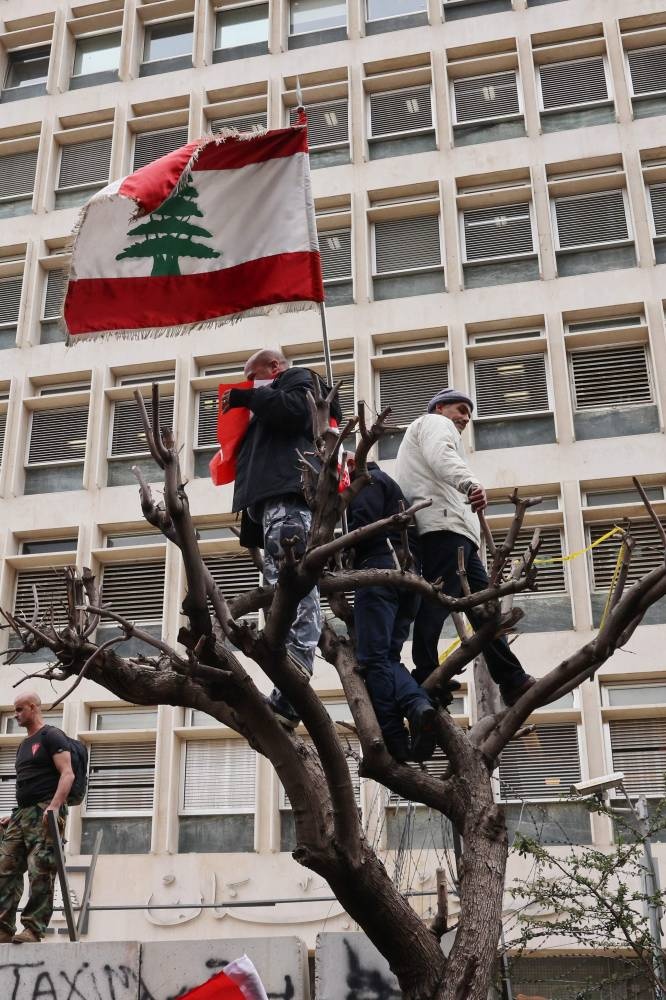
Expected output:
(303, 120)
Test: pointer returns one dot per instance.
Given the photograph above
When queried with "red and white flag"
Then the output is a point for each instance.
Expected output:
(221, 227)
(239, 981)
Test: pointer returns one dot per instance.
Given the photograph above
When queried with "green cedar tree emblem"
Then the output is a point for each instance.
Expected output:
(168, 234)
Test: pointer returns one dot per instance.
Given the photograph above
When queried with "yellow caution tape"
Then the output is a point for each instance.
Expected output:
(616, 572)
(562, 559)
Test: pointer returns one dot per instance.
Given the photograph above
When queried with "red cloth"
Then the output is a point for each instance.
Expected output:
(220, 987)
(231, 429)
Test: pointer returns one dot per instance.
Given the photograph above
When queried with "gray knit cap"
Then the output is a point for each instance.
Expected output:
(447, 396)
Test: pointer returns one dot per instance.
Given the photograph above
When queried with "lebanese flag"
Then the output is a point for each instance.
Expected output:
(219, 228)
(239, 981)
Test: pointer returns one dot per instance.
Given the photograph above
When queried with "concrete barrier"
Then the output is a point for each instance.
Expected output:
(169, 969)
(95, 971)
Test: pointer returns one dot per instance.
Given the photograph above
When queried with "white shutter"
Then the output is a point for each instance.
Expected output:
(638, 748)
(409, 390)
(489, 97)
(56, 282)
(255, 122)
(10, 298)
(149, 146)
(135, 590)
(84, 163)
(121, 778)
(407, 244)
(542, 765)
(347, 398)
(646, 556)
(129, 437)
(436, 767)
(658, 204)
(610, 376)
(328, 123)
(207, 409)
(400, 111)
(648, 70)
(511, 385)
(219, 777)
(498, 232)
(17, 174)
(51, 591)
(336, 255)
(3, 429)
(551, 578)
(568, 84)
(352, 748)
(7, 779)
(58, 436)
(591, 219)
(233, 574)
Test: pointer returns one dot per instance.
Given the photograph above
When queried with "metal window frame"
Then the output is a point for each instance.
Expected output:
(182, 811)
(110, 457)
(520, 415)
(608, 753)
(330, 282)
(26, 49)
(427, 268)
(580, 105)
(143, 736)
(69, 462)
(88, 185)
(630, 80)
(165, 20)
(606, 684)
(624, 242)
(516, 116)
(403, 133)
(95, 34)
(110, 710)
(610, 347)
(526, 255)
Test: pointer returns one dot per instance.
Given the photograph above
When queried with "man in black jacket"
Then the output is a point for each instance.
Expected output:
(382, 619)
(269, 491)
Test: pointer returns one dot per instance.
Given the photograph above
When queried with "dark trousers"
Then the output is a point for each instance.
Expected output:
(439, 552)
(382, 619)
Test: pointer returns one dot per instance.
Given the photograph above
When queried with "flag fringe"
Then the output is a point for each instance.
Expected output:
(154, 332)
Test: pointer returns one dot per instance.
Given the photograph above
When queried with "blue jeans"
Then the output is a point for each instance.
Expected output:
(286, 517)
(439, 551)
(382, 619)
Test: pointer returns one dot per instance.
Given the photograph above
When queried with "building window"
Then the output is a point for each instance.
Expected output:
(10, 303)
(598, 226)
(105, 719)
(149, 146)
(570, 90)
(501, 233)
(407, 390)
(657, 196)
(97, 54)
(120, 797)
(17, 182)
(48, 584)
(135, 590)
(647, 73)
(54, 294)
(612, 391)
(218, 796)
(534, 794)
(27, 68)
(401, 121)
(306, 16)
(603, 559)
(406, 250)
(128, 440)
(457, 9)
(244, 28)
(506, 390)
(548, 609)
(481, 103)
(256, 122)
(56, 450)
(84, 169)
(394, 8)
(328, 124)
(235, 574)
(168, 40)
(335, 249)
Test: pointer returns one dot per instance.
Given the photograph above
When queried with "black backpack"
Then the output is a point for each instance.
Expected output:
(79, 754)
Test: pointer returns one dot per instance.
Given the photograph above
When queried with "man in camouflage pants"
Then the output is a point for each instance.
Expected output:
(44, 777)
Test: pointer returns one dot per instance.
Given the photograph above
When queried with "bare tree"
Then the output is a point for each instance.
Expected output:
(210, 677)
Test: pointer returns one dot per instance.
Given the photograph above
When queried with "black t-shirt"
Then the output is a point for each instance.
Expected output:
(36, 775)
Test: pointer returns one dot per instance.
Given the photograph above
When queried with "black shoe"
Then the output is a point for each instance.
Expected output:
(422, 728)
(445, 693)
(283, 711)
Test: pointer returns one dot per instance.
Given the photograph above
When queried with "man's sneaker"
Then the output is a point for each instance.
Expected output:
(6, 937)
(422, 728)
(511, 695)
(283, 711)
(27, 936)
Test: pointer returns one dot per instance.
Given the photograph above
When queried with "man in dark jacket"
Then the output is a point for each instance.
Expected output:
(382, 619)
(269, 491)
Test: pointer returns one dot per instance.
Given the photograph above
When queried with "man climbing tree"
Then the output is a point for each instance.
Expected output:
(210, 677)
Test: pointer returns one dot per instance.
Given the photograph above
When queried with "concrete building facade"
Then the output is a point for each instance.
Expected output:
(490, 187)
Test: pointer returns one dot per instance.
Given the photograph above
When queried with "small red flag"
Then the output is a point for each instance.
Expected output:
(231, 429)
(239, 981)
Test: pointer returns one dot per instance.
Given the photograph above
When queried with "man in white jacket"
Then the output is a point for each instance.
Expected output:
(431, 464)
